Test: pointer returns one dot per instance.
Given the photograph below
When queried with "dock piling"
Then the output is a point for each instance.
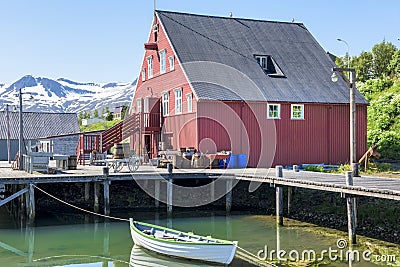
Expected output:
(157, 193)
(296, 168)
(228, 197)
(351, 214)
(279, 197)
(169, 196)
(87, 191)
(106, 191)
(289, 199)
(31, 203)
(212, 190)
(106, 188)
(96, 196)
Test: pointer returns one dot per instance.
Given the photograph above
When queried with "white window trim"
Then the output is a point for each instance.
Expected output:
(189, 107)
(165, 111)
(302, 111)
(171, 60)
(163, 59)
(146, 104)
(139, 105)
(177, 100)
(262, 58)
(279, 112)
(150, 70)
(143, 74)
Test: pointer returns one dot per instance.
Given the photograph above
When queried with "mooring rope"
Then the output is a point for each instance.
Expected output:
(247, 255)
(78, 208)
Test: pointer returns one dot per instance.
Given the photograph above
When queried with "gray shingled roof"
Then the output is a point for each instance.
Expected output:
(37, 125)
(217, 54)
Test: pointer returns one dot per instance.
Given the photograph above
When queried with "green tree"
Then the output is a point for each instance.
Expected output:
(382, 54)
(363, 66)
(80, 117)
(394, 66)
(95, 113)
(123, 111)
(86, 115)
(109, 116)
(342, 62)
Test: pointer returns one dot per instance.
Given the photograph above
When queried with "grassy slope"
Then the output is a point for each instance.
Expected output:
(104, 125)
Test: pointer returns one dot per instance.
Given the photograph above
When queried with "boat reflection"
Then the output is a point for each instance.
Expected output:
(144, 257)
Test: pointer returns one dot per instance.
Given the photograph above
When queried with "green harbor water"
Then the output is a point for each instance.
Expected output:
(55, 242)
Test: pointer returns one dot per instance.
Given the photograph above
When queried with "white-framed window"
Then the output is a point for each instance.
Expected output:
(150, 67)
(139, 105)
(297, 112)
(143, 75)
(274, 111)
(269, 65)
(178, 101)
(165, 103)
(189, 99)
(262, 61)
(171, 63)
(163, 61)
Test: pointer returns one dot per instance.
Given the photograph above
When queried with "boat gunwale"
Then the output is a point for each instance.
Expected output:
(221, 241)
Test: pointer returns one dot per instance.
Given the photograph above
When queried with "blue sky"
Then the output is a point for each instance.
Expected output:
(102, 41)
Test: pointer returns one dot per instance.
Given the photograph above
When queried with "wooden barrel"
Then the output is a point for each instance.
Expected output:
(72, 162)
(118, 151)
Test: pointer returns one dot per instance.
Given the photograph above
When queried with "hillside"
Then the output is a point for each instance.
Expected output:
(383, 115)
(104, 125)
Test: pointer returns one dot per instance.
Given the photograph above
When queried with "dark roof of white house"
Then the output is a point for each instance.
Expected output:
(218, 56)
(38, 124)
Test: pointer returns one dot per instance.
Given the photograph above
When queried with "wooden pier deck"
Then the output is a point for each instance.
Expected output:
(379, 187)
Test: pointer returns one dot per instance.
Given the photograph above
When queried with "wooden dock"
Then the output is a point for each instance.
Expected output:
(21, 183)
(379, 187)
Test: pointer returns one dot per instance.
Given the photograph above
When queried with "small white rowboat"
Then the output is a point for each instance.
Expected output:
(183, 245)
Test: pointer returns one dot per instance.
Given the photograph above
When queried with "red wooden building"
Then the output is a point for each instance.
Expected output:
(260, 88)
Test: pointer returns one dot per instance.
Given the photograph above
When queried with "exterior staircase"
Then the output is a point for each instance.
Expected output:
(119, 132)
(101, 141)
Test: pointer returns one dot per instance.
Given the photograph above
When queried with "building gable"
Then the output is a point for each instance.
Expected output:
(167, 73)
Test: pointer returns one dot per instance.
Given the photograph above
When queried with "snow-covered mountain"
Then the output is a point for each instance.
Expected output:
(63, 95)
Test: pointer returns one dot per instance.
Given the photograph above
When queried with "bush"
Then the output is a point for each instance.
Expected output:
(384, 167)
(344, 168)
(313, 168)
(384, 116)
